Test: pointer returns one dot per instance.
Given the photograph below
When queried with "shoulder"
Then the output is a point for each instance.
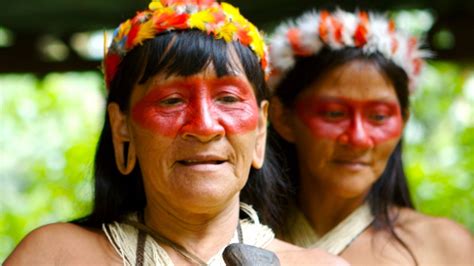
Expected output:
(435, 228)
(58, 243)
(443, 238)
(289, 254)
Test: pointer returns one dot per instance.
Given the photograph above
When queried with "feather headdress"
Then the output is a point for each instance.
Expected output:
(370, 32)
(221, 20)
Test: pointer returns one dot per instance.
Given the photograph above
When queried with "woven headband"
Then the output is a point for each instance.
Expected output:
(370, 32)
(223, 21)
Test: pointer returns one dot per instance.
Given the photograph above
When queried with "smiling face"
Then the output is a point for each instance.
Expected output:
(196, 137)
(345, 126)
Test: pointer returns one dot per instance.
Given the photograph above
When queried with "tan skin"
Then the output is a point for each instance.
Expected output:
(204, 219)
(337, 174)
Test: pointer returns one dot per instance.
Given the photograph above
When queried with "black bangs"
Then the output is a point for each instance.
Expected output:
(184, 53)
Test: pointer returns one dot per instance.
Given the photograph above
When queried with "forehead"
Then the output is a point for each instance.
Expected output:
(357, 80)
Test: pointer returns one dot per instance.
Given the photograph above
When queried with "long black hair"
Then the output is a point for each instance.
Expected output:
(183, 53)
(391, 188)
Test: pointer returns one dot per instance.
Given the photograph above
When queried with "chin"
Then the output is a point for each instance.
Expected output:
(354, 186)
(204, 197)
(351, 193)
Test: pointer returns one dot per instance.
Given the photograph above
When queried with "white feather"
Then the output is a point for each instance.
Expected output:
(308, 25)
(379, 39)
(349, 22)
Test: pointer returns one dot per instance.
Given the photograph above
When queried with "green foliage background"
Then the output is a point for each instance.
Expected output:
(49, 127)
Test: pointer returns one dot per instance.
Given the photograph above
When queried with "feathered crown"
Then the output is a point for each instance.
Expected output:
(370, 32)
(223, 21)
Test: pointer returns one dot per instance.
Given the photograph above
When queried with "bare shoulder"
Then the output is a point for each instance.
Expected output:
(434, 228)
(61, 243)
(443, 238)
(289, 254)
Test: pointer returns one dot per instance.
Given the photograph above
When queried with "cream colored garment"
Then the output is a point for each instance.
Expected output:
(124, 239)
(335, 241)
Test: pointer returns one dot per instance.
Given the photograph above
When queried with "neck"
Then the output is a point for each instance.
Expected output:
(323, 208)
(203, 234)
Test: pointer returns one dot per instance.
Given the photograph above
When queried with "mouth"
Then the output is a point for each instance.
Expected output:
(202, 160)
(199, 162)
(351, 161)
(352, 164)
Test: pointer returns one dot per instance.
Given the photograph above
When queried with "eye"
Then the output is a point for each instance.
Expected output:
(334, 115)
(172, 101)
(378, 117)
(228, 99)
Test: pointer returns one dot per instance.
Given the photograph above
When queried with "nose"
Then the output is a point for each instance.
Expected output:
(357, 135)
(202, 123)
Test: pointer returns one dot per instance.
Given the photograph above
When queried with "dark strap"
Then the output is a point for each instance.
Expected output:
(140, 248)
(239, 233)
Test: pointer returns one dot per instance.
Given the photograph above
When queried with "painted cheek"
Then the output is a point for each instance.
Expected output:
(308, 112)
(240, 121)
(391, 129)
(240, 116)
(149, 114)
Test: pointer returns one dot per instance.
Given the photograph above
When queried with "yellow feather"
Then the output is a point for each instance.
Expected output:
(227, 32)
(147, 31)
(155, 4)
(124, 28)
(200, 19)
(258, 45)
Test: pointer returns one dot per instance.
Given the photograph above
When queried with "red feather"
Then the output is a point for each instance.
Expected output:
(323, 29)
(293, 36)
(360, 35)
(111, 63)
(337, 29)
(166, 20)
(391, 26)
(244, 37)
(132, 34)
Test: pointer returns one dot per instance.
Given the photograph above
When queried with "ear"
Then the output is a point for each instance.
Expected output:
(260, 144)
(279, 117)
(123, 146)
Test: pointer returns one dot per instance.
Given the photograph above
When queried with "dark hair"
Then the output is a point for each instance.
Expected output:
(391, 188)
(183, 53)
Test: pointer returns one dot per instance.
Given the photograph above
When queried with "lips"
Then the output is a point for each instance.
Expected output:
(196, 162)
(352, 164)
(202, 160)
(346, 161)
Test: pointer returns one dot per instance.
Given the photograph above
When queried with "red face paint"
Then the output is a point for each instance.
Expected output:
(199, 106)
(359, 123)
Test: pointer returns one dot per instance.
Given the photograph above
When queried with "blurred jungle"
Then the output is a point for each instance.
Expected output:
(52, 98)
